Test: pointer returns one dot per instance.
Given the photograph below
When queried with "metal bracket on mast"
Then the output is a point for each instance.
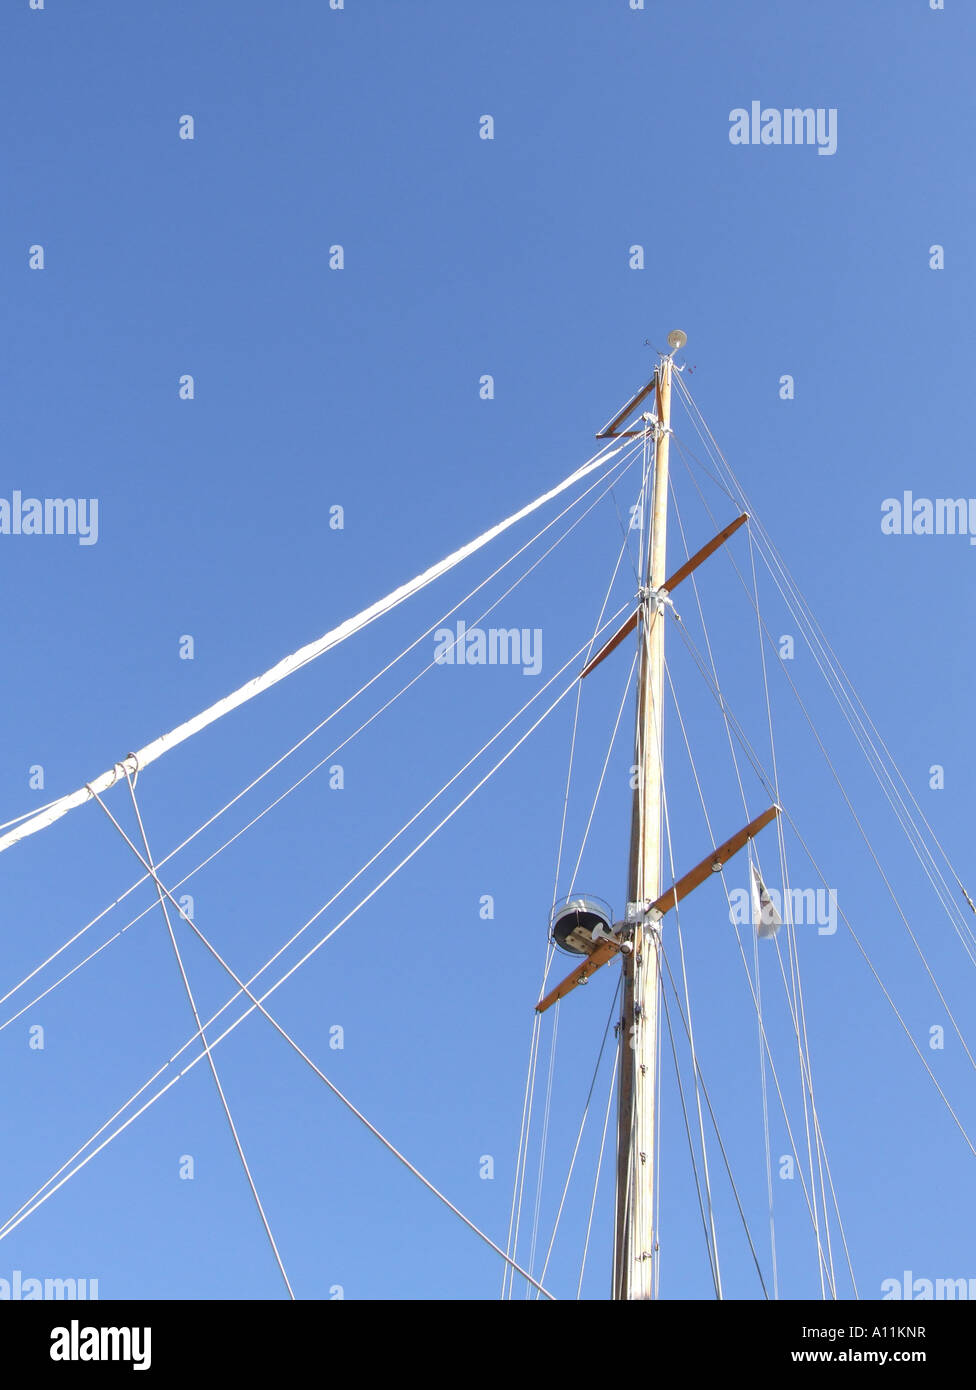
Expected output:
(655, 599)
(644, 914)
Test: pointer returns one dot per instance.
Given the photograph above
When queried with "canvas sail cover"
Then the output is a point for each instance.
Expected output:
(765, 918)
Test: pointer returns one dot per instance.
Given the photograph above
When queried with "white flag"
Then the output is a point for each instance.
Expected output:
(765, 918)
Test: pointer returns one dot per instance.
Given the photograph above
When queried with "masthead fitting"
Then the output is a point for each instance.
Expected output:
(676, 340)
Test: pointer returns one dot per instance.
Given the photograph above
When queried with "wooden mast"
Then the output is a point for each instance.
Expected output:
(637, 940)
(635, 1234)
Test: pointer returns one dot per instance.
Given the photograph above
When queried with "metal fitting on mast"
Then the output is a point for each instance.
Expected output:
(654, 598)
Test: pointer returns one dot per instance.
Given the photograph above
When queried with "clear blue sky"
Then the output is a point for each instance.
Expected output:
(359, 388)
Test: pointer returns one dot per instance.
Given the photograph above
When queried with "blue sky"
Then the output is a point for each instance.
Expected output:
(359, 388)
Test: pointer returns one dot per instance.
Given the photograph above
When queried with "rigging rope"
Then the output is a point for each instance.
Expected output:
(795, 1004)
(618, 468)
(844, 692)
(47, 1190)
(257, 1003)
(691, 1147)
(836, 677)
(711, 1113)
(162, 895)
(579, 1134)
(586, 832)
(745, 806)
(757, 767)
(659, 947)
(290, 664)
(599, 1167)
(798, 1009)
(528, 1104)
(701, 795)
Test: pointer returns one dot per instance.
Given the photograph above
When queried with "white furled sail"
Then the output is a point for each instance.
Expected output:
(136, 761)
